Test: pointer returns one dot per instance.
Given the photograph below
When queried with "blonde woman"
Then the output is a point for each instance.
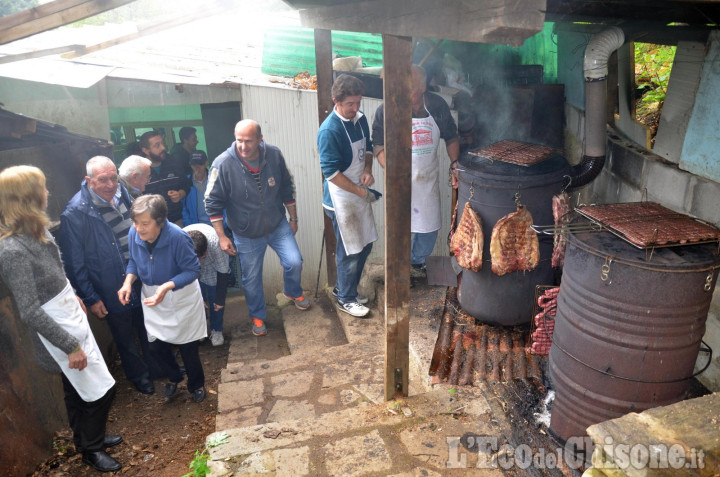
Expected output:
(30, 266)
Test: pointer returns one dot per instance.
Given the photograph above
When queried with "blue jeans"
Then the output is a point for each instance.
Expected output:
(251, 252)
(349, 267)
(216, 317)
(422, 246)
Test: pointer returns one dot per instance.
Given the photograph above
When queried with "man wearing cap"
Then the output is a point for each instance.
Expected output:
(194, 203)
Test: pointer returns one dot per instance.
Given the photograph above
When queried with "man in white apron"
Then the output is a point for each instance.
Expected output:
(431, 120)
(346, 160)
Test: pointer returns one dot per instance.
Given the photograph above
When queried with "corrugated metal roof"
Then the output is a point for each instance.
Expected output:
(210, 50)
(288, 51)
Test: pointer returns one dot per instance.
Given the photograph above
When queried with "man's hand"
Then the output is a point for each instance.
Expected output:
(176, 195)
(294, 227)
(227, 246)
(454, 177)
(82, 304)
(78, 359)
(217, 307)
(367, 179)
(369, 196)
(99, 309)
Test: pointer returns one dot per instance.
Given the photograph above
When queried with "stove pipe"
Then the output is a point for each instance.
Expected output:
(595, 68)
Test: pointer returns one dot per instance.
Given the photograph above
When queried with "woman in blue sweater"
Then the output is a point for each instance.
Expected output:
(162, 256)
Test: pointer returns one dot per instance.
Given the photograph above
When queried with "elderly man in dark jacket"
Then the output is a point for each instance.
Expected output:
(94, 244)
(251, 183)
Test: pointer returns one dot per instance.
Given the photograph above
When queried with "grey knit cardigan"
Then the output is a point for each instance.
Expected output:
(33, 272)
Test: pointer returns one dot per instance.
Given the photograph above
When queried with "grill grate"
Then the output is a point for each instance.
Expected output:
(516, 152)
(648, 224)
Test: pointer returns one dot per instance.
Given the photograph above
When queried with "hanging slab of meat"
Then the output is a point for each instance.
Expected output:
(561, 214)
(467, 241)
(514, 245)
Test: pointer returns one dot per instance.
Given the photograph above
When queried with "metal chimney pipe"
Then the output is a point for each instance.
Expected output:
(595, 68)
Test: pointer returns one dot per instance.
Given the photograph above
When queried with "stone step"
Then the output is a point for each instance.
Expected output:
(375, 439)
(314, 329)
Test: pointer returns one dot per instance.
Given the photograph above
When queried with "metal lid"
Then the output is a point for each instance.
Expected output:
(684, 258)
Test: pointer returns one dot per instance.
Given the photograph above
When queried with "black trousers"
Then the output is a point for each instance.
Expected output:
(162, 352)
(87, 419)
(138, 364)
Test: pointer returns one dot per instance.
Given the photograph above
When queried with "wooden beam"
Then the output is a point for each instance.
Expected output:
(323, 68)
(39, 53)
(151, 28)
(15, 127)
(487, 21)
(52, 15)
(397, 60)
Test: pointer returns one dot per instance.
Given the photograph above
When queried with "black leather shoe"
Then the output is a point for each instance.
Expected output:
(111, 440)
(145, 386)
(101, 461)
(199, 394)
(170, 390)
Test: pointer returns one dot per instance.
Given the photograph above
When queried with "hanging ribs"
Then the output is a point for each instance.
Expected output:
(467, 241)
(514, 245)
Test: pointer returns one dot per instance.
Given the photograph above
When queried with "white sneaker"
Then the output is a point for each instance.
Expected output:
(216, 338)
(354, 308)
(362, 299)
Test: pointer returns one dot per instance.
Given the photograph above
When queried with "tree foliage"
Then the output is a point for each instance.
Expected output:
(653, 64)
(8, 7)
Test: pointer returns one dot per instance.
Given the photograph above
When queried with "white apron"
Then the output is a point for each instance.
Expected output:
(94, 381)
(179, 318)
(353, 214)
(425, 200)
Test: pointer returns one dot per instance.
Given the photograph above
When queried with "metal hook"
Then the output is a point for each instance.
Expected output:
(605, 270)
(708, 281)
(517, 198)
(566, 186)
(472, 190)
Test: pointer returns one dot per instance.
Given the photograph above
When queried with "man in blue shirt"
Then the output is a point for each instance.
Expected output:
(346, 161)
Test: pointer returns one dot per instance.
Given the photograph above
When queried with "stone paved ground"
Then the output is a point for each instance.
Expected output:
(307, 399)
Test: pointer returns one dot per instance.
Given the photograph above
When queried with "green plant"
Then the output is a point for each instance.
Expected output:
(198, 465)
(653, 64)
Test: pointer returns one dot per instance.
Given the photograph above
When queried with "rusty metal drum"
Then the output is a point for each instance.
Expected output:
(491, 187)
(628, 328)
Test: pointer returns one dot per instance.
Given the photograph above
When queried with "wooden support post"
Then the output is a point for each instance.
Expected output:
(323, 68)
(397, 84)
